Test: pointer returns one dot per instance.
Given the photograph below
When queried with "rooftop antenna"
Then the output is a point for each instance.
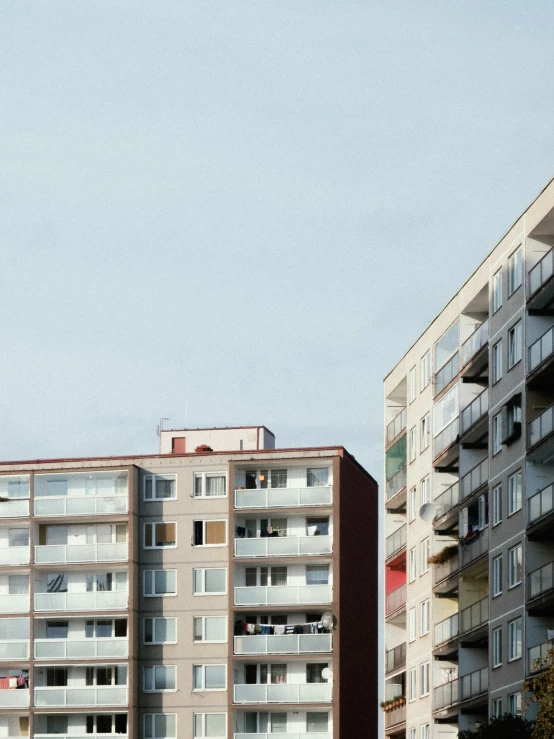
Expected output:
(160, 427)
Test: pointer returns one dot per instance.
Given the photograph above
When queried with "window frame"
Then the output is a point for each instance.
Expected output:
(496, 496)
(154, 594)
(153, 715)
(205, 521)
(425, 678)
(515, 344)
(203, 735)
(515, 647)
(412, 384)
(497, 290)
(497, 576)
(412, 685)
(412, 624)
(203, 621)
(514, 566)
(202, 667)
(203, 570)
(153, 524)
(496, 432)
(515, 270)
(425, 620)
(515, 492)
(496, 362)
(514, 699)
(424, 554)
(203, 476)
(412, 444)
(412, 504)
(425, 490)
(425, 370)
(154, 619)
(412, 565)
(496, 648)
(154, 478)
(154, 668)
(496, 708)
(425, 432)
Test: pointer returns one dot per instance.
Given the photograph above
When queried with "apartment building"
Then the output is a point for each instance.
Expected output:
(469, 463)
(221, 588)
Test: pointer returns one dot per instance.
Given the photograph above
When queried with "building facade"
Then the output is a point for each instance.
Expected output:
(197, 594)
(469, 452)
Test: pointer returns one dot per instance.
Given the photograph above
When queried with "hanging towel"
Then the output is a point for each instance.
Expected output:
(279, 629)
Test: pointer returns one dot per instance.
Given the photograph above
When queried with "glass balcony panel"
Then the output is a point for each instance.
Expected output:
(446, 630)
(286, 735)
(14, 698)
(541, 426)
(82, 648)
(444, 570)
(475, 548)
(475, 478)
(475, 410)
(396, 599)
(115, 552)
(284, 693)
(447, 373)
(14, 555)
(285, 644)
(15, 603)
(282, 546)
(447, 500)
(541, 580)
(283, 497)
(396, 483)
(395, 658)
(474, 616)
(539, 657)
(14, 649)
(541, 503)
(105, 695)
(396, 426)
(396, 541)
(445, 695)
(476, 341)
(115, 600)
(541, 272)
(446, 438)
(81, 506)
(14, 508)
(283, 595)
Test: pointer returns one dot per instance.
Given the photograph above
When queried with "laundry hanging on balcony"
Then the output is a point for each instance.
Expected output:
(244, 628)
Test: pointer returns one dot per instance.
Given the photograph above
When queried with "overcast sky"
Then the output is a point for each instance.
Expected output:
(253, 205)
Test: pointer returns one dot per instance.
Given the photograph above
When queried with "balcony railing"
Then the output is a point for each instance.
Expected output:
(63, 553)
(446, 438)
(474, 616)
(541, 426)
(476, 341)
(539, 657)
(397, 425)
(396, 483)
(395, 658)
(541, 349)
(445, 695)
(16, 508)
(447, 500)
(475, 683)
(14, 698)
(475, 410)
(541, 580)
(15, 603)
(103, 695)
(396, 599)
(285, 644)
(396, 541)
(284, 693)
(475, 478)
(541, 503)
(81, 648)
(447, 373)
(444, 570)
(446, 630)
(14, 649)
(96, 601)
(394, 717)
(283, 546)
(86, 505)
(284, 735)
(282, 595)
(284, 497)
(15, 555)
(541, 272)
(475, 548)
(78, 736)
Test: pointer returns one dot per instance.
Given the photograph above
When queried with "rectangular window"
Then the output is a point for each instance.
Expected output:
(425, 617)
(208, 677)
(515, 565)
(514, 704)
(496, 505)
(497, 576)
(412, 624)
(210, 725)
(160, 535)
(515, 637)
(497, 291)
(425, 490)
(446, 346)
(511, 419)
(210, 581)
(424, 675)
(160, 726)
(210, 533)
(210, 485)
(497, 646)
(159, 487)
(496, 362)
(317, 477)
(496, 708)
(158, 678)
(497, 433)
(412, 504)
(515, 271)
(425, 378)
(413, 444)
(412, 573)
(413, 734)
(412, 385)
(412, 694)
(514, 493)
(160, 631)
(515, 344)
(425, 731)
(425, 552)
(210, 629)
(446, 410)
(316, 723)
(315, 575)
(160, 582)
(425, 431)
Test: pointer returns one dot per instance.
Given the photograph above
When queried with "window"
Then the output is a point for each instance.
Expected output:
(160, 631)
(412, 385)
(412, 504)
(210, 533)
(210, 628)
(211, 581)
(497, 647)
(317, 477)
(160, 535)
(160, 487)
(496, 708)
(317, 723)
(160, 582)
(210, 725)
(514, 493)
(265, 577)
(412, 695)
(413, 443)
(497, 433)
(18, 537)
(425, 490)
(316, 574)
(483, 511)
(160, 726)
(425, 553)
(425, 431)
(446, 410)
(208, 677)
(496, 505)
(515, 271)
(425, 731)
(511, 420)
(425, 617)
(159, 677)
(514, 704)
(412, 624)
(515, 565)
(412, 573)
(57, 724)
(210, 485)
(515, 344)
(497, 291)
(497, 362)
(497, 575)
(515, 637)
(425, 378)
(446, 346)
(413, 734)
(424, 674)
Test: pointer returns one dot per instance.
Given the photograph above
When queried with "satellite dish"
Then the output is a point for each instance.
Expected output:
(327, 620)
(427, 512)
(326, 673)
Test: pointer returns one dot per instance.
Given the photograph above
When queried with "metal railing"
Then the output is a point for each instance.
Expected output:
(541, 272)
(397, 425)
(395, 658)
(474, 479)
(445, 695)
(95, 601)
(475, 548)
(284, 644)
(446, 630)
(447, 500)
(284, 497)
(396, 483)
(541, 580)
(81, 648)
(396, 599)
(475, 410)
(541, 349)
(476, 341)
(475, 683)
(283, 693)
(474, 616)
(539, 657)
(65, 553)
(444, 570)
(282, 595)
(541, 503)
(14, 649)
(396, 541)
(16, 508)
(104, 695)
(447, 373)
(541, 426)
(446, 438)
(283, 546)
(396, 716)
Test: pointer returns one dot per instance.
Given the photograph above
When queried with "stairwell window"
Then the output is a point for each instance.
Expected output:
(210, 533)
(160, 535)
(159, 487)
(210, 581)
(209, 677)
(159, 678)
(210, 629)
(515, 344)
(160, 726)
(210, 725)
(210, 485)
(515, 271)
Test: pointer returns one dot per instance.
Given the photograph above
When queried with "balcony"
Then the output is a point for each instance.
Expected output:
(539, 657)
(283, 546)
(16, 508)
(81, 494)
(395, 658)
(112, 647)
(447, 438)
(445, 695)
(396, 600)
(14, 556)
(539, 276)
(396, 483)
(474, 479)
(540, 507)
(285, 644)
(283, 693)
(395, 717)
(14, 649)
(396, 541)
(15, 603)
(474, 616)
(475, 684)
(541, 427)
(478, 339)
(474, 548)
(542, 349)
(80, 736)
(95, 601)
(443, 571)
(284, 497)
(478, 409)
(103, 695)
(82, 506)
(447, 373)
(277, 595)
(18, 698)
(284, 735)
(540, 590)
(446, 504)
(396, 426)
(446, 630)
(75, 553)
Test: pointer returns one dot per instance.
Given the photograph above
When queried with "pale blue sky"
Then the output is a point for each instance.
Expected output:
(263, 202)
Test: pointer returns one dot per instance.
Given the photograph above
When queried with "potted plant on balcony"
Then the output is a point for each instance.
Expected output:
(444, 556)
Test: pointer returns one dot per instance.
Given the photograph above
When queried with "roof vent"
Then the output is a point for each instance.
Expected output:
(203, 448)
